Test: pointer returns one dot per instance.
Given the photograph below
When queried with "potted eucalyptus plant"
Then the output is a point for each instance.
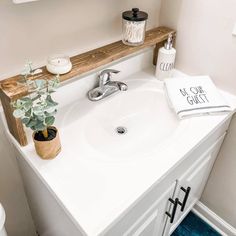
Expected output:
(37, 111)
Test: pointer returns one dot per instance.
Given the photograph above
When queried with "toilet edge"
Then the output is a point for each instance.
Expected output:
(2, 217)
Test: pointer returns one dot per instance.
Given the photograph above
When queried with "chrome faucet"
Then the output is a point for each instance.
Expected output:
(106, 86)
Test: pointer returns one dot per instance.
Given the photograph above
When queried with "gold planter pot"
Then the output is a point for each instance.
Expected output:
(48, 149)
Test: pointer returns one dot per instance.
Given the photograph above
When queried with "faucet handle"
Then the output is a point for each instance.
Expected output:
(105, 76)
(109, 71)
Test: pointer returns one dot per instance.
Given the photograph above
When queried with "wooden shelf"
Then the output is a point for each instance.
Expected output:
(10, 90)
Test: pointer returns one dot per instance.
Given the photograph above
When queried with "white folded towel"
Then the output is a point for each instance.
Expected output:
(195, 96)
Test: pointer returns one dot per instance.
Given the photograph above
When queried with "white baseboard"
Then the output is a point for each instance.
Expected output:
(214, 220)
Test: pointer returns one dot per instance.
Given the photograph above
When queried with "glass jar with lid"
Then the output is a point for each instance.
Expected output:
(134, 27)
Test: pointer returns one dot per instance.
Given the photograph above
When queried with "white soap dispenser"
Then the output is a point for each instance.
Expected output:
(166, 60)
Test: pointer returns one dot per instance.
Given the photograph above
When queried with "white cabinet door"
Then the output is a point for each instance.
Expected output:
(162, 209)
(153, 221)
(192, 182)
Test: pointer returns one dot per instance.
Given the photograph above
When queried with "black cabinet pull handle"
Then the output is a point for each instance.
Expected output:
(172, 214)
(187, 191)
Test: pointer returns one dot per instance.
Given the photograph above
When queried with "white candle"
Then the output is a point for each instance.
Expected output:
(59, 64)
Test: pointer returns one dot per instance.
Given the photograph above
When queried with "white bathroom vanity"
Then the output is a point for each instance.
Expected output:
(141, 182)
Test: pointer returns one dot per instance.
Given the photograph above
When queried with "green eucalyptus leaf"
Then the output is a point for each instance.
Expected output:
(40, 126)
(27, 105)
(50, 102)
(40, 83)
(42, 92)
(28, 113)
(25, 99)
(42, 103)
(33, 128)
(31, 123)
(38, 113)
(24, 103)
(38, 110)
(49, 120)
(41, 117)
(18, 113)
(19, 103)
(49, 109)
(35, 97)
(51, 113)
(25, 120)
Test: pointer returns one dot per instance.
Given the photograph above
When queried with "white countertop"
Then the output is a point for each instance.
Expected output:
(96, 192)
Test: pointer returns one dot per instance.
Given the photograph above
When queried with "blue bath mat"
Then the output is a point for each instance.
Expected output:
(192, 225)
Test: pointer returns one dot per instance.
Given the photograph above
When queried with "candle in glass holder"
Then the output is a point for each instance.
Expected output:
(59, 64)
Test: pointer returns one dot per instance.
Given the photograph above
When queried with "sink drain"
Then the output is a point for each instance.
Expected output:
(121, 130)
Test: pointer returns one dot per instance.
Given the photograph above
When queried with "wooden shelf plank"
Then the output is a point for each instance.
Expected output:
(11, 90)
(90, 60)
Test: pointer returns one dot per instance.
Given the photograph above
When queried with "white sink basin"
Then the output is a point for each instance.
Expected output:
(142, 113)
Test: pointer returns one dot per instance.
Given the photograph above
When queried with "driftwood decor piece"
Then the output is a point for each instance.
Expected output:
(10, 89)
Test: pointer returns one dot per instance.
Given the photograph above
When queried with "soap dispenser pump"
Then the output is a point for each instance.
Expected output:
(166, 60)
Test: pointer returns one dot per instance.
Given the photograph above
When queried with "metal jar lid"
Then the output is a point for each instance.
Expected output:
(135, 15)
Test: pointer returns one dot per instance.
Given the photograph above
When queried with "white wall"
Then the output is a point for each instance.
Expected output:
(205, 43)
(38, 29)
(12, 196)
(205, 46)
(220, 192)
(34, 31)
